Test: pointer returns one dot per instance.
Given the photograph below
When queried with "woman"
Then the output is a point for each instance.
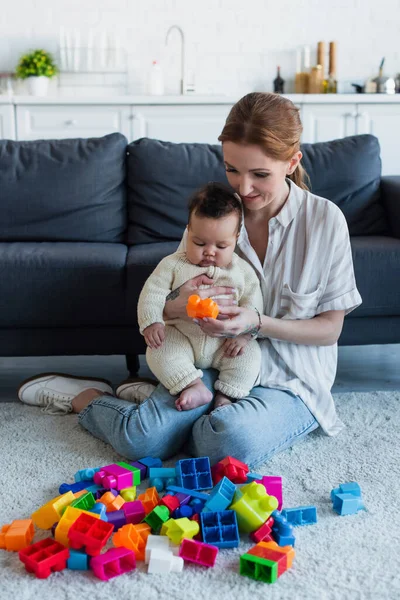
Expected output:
(299, 246)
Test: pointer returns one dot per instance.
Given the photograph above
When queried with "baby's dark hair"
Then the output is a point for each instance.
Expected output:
(215, 200)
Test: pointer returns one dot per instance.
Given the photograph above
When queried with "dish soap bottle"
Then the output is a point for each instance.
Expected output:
(156, 80)
(279, 83)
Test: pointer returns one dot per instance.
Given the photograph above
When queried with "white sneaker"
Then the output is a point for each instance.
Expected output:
(54, 392)
(135, 390)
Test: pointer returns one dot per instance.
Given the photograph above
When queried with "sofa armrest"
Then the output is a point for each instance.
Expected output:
(390, 190)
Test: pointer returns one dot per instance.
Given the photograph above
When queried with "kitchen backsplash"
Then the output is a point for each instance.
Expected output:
(231, 46)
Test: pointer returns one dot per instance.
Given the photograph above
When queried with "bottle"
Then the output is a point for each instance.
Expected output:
(330, 84)
(315, 81)
(156, 80)
(279, 83)
(302, 79)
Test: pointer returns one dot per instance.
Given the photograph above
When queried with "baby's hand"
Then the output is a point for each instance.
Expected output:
(235, 346)
(154, 335)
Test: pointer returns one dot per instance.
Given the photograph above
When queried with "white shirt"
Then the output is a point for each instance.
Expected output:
(308, 270)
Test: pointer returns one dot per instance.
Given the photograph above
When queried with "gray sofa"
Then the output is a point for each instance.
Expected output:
(83, 223)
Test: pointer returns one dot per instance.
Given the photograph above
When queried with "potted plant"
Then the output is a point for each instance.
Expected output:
(37, 68)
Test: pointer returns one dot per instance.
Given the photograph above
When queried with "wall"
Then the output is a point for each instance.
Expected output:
(233, 46)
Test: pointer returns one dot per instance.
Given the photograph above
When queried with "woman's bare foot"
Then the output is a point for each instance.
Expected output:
(194, 395)
(83, 399)
(221, 400)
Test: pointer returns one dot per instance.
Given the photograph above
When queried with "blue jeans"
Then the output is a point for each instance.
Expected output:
(252, 429)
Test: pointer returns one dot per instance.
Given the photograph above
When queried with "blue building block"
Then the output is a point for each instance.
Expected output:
(221, 496)
(197, 505)
(160, 477)
(150, 462)
(282, 531)
(100, 509)
(183, 511)
(86, 474)
(194, 473)
(78, 561)
(93, 488)
(302, 515)
(220, 528)
(174, 489)
(351, 487)
(72, 487)
(253, 477)
(346, 499)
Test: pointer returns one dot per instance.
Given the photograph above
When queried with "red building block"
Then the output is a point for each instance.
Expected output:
(198, 552)
(89, 533)
(263, 534)
(271, 554)
(170, 502)
(230, 467)
(44, 557)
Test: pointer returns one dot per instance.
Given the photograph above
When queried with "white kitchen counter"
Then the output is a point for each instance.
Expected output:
(193, 99)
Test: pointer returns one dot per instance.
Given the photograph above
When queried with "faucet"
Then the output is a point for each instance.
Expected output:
(183, 82)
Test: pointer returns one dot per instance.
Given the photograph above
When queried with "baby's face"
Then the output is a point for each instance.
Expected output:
(212, 241)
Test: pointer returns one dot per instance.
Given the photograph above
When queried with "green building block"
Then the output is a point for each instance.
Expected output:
(158, 516)
(84, 502)
(134, 470)
(260, 569)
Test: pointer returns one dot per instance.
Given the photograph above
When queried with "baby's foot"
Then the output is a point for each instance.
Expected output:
(193, 396)
(221, 400)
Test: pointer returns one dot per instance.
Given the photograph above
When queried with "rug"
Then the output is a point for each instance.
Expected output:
(357, 556)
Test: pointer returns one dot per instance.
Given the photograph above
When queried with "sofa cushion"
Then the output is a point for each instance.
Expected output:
(62, 285)
(162, 175)
(348, 172)
(377, 269)
(63, 190)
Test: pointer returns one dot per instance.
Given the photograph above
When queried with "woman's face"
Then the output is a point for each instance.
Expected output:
(258, 179)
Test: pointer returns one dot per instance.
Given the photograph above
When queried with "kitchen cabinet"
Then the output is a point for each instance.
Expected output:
(322, 123)
(183, 123)
(7, 122)
(383, 121)
(71, 121)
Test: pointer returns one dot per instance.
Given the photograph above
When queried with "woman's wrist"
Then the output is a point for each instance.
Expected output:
(257, 327)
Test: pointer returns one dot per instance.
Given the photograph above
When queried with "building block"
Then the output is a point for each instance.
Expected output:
(220, 496)
(44, 557)
(134, 470)
(86, 501)
(194, 473)
(128, 494)
(142, 468)
(200, 308)
(282, 531)
(183, 511)
(101, 491)
(89, 533)
(270, 554)
(170, 502)
(175, 489)
(198, 552)
(288, 550)
(149, 462)
(351, 487)
(301, 515)
(133, 537)
(162, 472)
(260, 569)
(153, 542)
(178, 529)
(230, 467)
(346, 499)
(93, 487)
(51, 512)
(150, 499)
(158, 516)
(114, 476)
(114, 562)
(100, 509)
(72, 487)
(164, 561)
(69, 517)
(78, 561)
(134, 511)
(197, 505)
(17, 535)
(117, 518)
(199, 536)
(220, 528)
(85, 474)
(273, 485)
(183, 498)
(253, 506)
(111, 502)
(254, 477)
(264, 533)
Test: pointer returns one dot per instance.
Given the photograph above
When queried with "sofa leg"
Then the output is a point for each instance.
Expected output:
(132, 364)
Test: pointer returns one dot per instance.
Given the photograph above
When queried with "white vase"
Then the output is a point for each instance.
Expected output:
(38, 86)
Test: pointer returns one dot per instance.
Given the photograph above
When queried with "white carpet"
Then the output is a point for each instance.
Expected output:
(355, 557)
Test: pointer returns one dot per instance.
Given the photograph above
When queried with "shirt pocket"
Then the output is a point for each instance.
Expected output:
(299, 306)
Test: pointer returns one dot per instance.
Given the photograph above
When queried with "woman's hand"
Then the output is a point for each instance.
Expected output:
(239, 321)
(175, 306)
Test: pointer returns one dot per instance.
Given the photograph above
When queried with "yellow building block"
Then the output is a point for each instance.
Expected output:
(51, 512)
(17, 535)
(69, 517)
(252, 506)
(128, 494)
(178, 529)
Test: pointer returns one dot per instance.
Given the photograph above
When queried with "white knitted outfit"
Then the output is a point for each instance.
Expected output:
(186, 349)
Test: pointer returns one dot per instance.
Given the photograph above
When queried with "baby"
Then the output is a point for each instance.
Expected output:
(178, 349)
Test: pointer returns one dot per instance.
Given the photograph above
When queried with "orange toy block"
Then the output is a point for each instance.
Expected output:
(289, 551)
(111, 502)
(150, 499)
(197, 308)
(17, 535)
(133, 537)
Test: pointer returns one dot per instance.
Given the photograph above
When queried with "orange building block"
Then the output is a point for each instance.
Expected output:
(111, 502)
(197, 308)
(50, 513)
(133, 537)
(150, 499)
(288, 550)
(17, 535)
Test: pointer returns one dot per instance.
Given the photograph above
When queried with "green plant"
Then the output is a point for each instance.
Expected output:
(36, 64)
